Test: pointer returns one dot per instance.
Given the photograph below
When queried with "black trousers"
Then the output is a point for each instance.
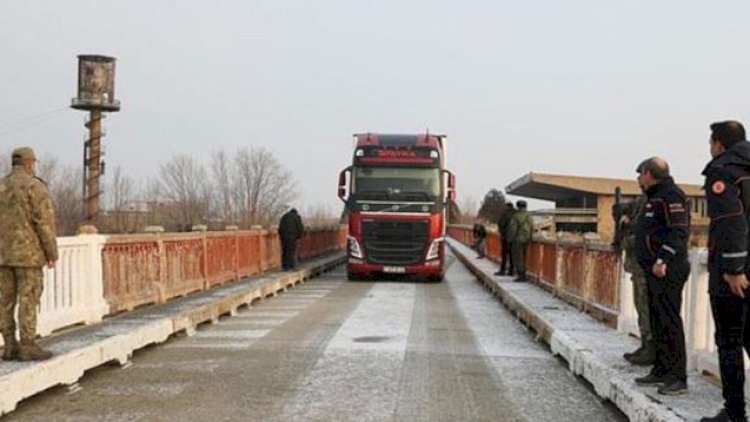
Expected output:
(288, 253)
(732, 337)
(505, 256)
(664, 303)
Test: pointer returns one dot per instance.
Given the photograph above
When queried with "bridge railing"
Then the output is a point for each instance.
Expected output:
(590, 275)
(100, 275)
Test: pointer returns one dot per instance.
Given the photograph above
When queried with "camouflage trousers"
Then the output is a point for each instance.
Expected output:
(23, 286)
(640, 300)
(518, 251)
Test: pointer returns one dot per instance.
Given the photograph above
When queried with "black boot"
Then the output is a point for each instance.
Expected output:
(651, 380)
(646, 356)
(521, 277)
(636, 352)
(673, 388)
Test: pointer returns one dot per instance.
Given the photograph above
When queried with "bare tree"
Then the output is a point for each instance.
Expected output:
(320, 216)
(183, 183)
(492, 206)
(47, 169)
(262, 186)
(122, 213)
(152, 196)
(65, 188)
(469, 209)
(222, 199)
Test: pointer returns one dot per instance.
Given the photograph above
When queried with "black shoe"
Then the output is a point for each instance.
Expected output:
(651, 380)
(636, 352)
(501, 272)
(646, 357)
(722, 416)
(673, 388)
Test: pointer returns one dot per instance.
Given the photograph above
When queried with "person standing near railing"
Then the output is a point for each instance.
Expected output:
(728, 196)
(480, 238)
(506, 258)
(629, 214)
(28, 242)
(290, 232)
(661, 238)
(520, 230)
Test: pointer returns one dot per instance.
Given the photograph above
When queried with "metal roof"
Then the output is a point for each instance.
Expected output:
(556, 187)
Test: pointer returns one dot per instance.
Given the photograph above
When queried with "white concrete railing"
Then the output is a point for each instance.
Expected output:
(696, 315)
(73, 289)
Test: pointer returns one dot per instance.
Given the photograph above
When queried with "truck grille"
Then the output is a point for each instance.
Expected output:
(395, 243)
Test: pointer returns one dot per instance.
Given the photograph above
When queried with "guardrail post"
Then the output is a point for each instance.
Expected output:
(94, 280)
(161, 248)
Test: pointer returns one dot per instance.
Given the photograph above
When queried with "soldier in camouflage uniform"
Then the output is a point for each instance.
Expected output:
(629, 213)
(28, 243)
(520, 230)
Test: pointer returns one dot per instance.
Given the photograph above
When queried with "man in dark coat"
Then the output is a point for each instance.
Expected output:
(728, 196)
(290, 231)
(661, 238)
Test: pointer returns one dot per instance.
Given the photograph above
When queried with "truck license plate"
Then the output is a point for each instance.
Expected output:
(395, 270)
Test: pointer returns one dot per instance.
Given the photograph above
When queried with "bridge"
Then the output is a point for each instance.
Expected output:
(202, 325)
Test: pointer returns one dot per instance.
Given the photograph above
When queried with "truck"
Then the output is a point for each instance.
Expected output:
(397, 194)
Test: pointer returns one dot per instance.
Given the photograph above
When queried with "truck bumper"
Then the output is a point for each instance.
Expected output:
(433, 269)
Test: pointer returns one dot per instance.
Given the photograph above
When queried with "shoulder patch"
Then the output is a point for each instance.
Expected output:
(718, 187)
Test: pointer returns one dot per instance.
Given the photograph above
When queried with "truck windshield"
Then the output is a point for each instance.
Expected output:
(396, 182)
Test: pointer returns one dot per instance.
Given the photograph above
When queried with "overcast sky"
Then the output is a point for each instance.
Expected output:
(585, 87)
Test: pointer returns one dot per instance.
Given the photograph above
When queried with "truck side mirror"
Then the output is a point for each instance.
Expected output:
(451, 191)
(342, 183)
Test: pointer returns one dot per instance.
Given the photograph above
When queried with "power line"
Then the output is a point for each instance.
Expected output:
(28, 122)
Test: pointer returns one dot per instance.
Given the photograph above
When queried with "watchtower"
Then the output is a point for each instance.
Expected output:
(96, 94)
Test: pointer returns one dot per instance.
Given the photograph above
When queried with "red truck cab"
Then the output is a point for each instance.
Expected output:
(396, 201)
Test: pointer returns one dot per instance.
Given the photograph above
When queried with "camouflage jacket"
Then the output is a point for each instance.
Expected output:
(520, 227)
(27, 221)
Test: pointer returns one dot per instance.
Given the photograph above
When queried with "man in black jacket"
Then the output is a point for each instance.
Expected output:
(661, 237)
(290, 231)
(728, 196)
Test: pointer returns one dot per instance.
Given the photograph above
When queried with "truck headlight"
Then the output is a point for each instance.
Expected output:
(434, 251)
(354, 249)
